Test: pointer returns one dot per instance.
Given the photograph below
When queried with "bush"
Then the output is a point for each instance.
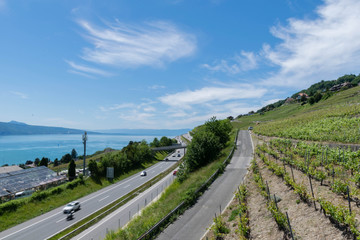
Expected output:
(10, 206)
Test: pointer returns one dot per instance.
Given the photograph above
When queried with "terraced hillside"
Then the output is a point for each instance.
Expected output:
(304, 181)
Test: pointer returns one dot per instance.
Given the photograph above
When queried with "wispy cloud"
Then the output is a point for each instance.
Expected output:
(117, 107)
(19, 94)
(125, 45)
(156, 87)
(86, 71)
(239, 63)
(206, 95)
(315, 49)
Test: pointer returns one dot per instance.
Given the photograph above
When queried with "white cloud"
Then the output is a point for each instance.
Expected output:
(155, 87)
(271, 101)
(19, 94)
(239, 63)
(85, 71)
(125, 45)
(212, 94)
(117, 107)
(315, 49)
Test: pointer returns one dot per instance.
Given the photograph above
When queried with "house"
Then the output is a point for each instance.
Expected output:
(301, 95)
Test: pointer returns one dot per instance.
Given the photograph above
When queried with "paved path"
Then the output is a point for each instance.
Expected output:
(194, 222)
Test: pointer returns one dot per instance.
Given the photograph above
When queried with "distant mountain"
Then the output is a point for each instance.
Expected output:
(146, 132)
(19, 128)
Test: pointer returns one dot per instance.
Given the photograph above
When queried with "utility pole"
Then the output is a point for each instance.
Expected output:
(84, 138)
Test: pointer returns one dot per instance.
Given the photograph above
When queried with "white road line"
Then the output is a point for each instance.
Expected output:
(127, 186)
(59, 220)
(29, 226)
(104, 198)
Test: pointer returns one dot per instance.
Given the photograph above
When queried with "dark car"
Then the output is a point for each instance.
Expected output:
(143, 173)
(250, 128)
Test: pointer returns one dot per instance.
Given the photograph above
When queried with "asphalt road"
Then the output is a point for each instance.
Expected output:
(54, 221)
(194, 222)
(124, 214)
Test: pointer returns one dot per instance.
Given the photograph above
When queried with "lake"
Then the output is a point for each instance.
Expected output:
(20, 148)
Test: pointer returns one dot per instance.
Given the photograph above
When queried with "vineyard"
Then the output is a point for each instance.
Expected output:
(335, 120)
(295, 190)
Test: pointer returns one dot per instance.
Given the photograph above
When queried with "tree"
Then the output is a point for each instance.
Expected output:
(37, 161)
(74, 154)
(56, 162)
(164, 141)
(93, 167)
(204, 148)
(317, 97)
(72, 170)
(220, 128)
(155, 143)
(311, 100)
(66, 158)
(44, 162)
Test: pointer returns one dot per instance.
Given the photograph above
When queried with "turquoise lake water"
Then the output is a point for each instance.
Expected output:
(19, 149)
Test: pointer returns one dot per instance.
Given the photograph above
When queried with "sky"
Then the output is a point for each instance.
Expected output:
(166, 64)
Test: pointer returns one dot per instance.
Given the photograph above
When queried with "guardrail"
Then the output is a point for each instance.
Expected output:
(154, 229)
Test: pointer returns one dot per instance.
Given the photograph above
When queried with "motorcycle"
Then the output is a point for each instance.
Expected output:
(70, 215)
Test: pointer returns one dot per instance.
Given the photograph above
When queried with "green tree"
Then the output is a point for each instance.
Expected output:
(164, 141)
(74, 154)
(93, 167)
(56, 162)
(72, 170)
(37, 162)
(155, 143)
(66, 158)
(317, 97)
(311, 100)
(204, 148)
(220, 128)
(44, 162)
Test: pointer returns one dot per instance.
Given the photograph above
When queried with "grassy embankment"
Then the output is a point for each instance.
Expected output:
(31, 209)
(172, 196)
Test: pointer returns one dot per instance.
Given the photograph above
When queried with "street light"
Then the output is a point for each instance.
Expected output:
(84, 138)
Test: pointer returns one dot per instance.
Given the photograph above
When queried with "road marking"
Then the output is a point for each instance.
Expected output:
(152, 171)
(59, 220)
(127, 186)
(103, 198)
(29, 226)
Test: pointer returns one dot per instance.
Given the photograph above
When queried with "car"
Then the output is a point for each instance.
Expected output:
(73, 206)
(143, 173)
(250, 128)
(166, 159)
(179, 155)
(175, 172)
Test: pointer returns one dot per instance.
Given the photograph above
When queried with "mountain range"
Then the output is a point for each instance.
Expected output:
(19, 128)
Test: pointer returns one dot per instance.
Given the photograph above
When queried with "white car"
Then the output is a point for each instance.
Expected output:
(73, 206)
(143, 173)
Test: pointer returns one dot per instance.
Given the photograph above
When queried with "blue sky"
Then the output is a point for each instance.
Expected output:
(166, 64)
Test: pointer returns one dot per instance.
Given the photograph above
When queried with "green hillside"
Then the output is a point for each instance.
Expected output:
(335, 119)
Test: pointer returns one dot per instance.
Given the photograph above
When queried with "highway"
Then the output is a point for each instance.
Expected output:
(123, 215)
(54, 221)
(194, 222)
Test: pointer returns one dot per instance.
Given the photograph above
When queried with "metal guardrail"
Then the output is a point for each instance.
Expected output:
(153, 230)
